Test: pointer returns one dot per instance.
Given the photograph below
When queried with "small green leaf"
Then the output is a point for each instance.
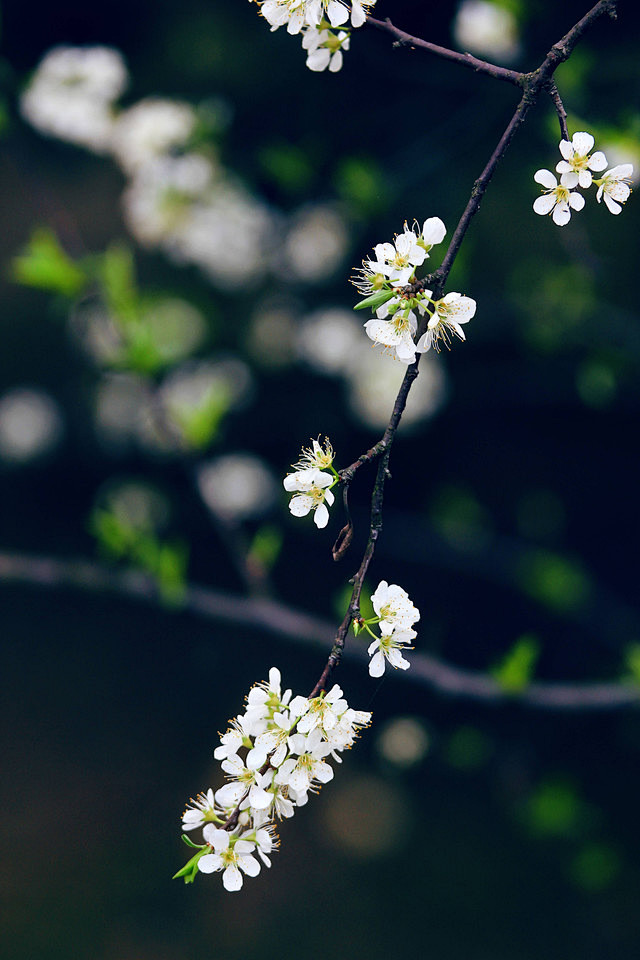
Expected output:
(46, 266)
(199, 423)
(375, 300)
(632, 660)
(265, 547)
(171, 571)
(190, 870)
(515, 671)
(189, 842)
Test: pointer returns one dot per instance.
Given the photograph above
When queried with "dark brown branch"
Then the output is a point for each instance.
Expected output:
(298, 627)
(464, 59)
(560, 110)
(534, 84)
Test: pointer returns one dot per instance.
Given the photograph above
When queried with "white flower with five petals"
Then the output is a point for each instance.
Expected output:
(578, 163)
(557, 199)
(230, 854)
(393, 606)
(312, 494)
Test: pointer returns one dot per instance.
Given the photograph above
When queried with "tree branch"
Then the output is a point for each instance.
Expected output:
(298, 627)
(534, 84)
(464, 59)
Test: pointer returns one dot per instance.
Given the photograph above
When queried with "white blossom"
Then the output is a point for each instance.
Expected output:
(279, 772)
(231, 854)
(273, 743)
(397, 261)
(317, 455)
(298, 772)
(433, 232)
(323, 711)
(449, 313)
(343, 735)
(614, 187)
(72, 92)
(324, 49)
(557, 199)
(393, 606)
(200, 811)
(396, 332)
(388, 647)
(151, 128)
(360, 10)
(578, 163)
(311, 491)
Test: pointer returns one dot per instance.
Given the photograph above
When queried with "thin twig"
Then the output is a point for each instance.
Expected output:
(560, 110)
(464, 59)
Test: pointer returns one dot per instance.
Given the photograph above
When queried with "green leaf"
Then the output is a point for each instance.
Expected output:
(515, 671)
(265, 547)
(374, 301)
(632, 660)
(554, 580)
(190, 870)
(45, 266)
(189, 842)
(171, 568)
(200, 423)
(116, 273)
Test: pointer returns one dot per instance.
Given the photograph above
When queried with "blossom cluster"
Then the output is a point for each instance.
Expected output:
(395, 616)
(274, 755)
(311, 483)
(178, 197)
(576, 169)
(386, 281)
(325, 26)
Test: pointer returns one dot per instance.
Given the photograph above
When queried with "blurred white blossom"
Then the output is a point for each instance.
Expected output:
(488, 29)
(159, 200)
(151, 128)
(374, 383)
(315, 244)
(327, 339)
(30, 424)
(236, 486)
(403, 741)
(120, 404)
(72, 92)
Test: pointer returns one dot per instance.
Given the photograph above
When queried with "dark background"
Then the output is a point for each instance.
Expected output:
(512, 511)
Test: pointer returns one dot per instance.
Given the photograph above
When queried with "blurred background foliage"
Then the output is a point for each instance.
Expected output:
(148, 411)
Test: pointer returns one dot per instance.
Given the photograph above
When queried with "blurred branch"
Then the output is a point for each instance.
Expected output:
(299, 627)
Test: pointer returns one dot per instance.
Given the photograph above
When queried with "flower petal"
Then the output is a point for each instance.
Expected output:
(231, 878)
(582, 143)
(544, 204)
(546, 178)
(376, 665)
